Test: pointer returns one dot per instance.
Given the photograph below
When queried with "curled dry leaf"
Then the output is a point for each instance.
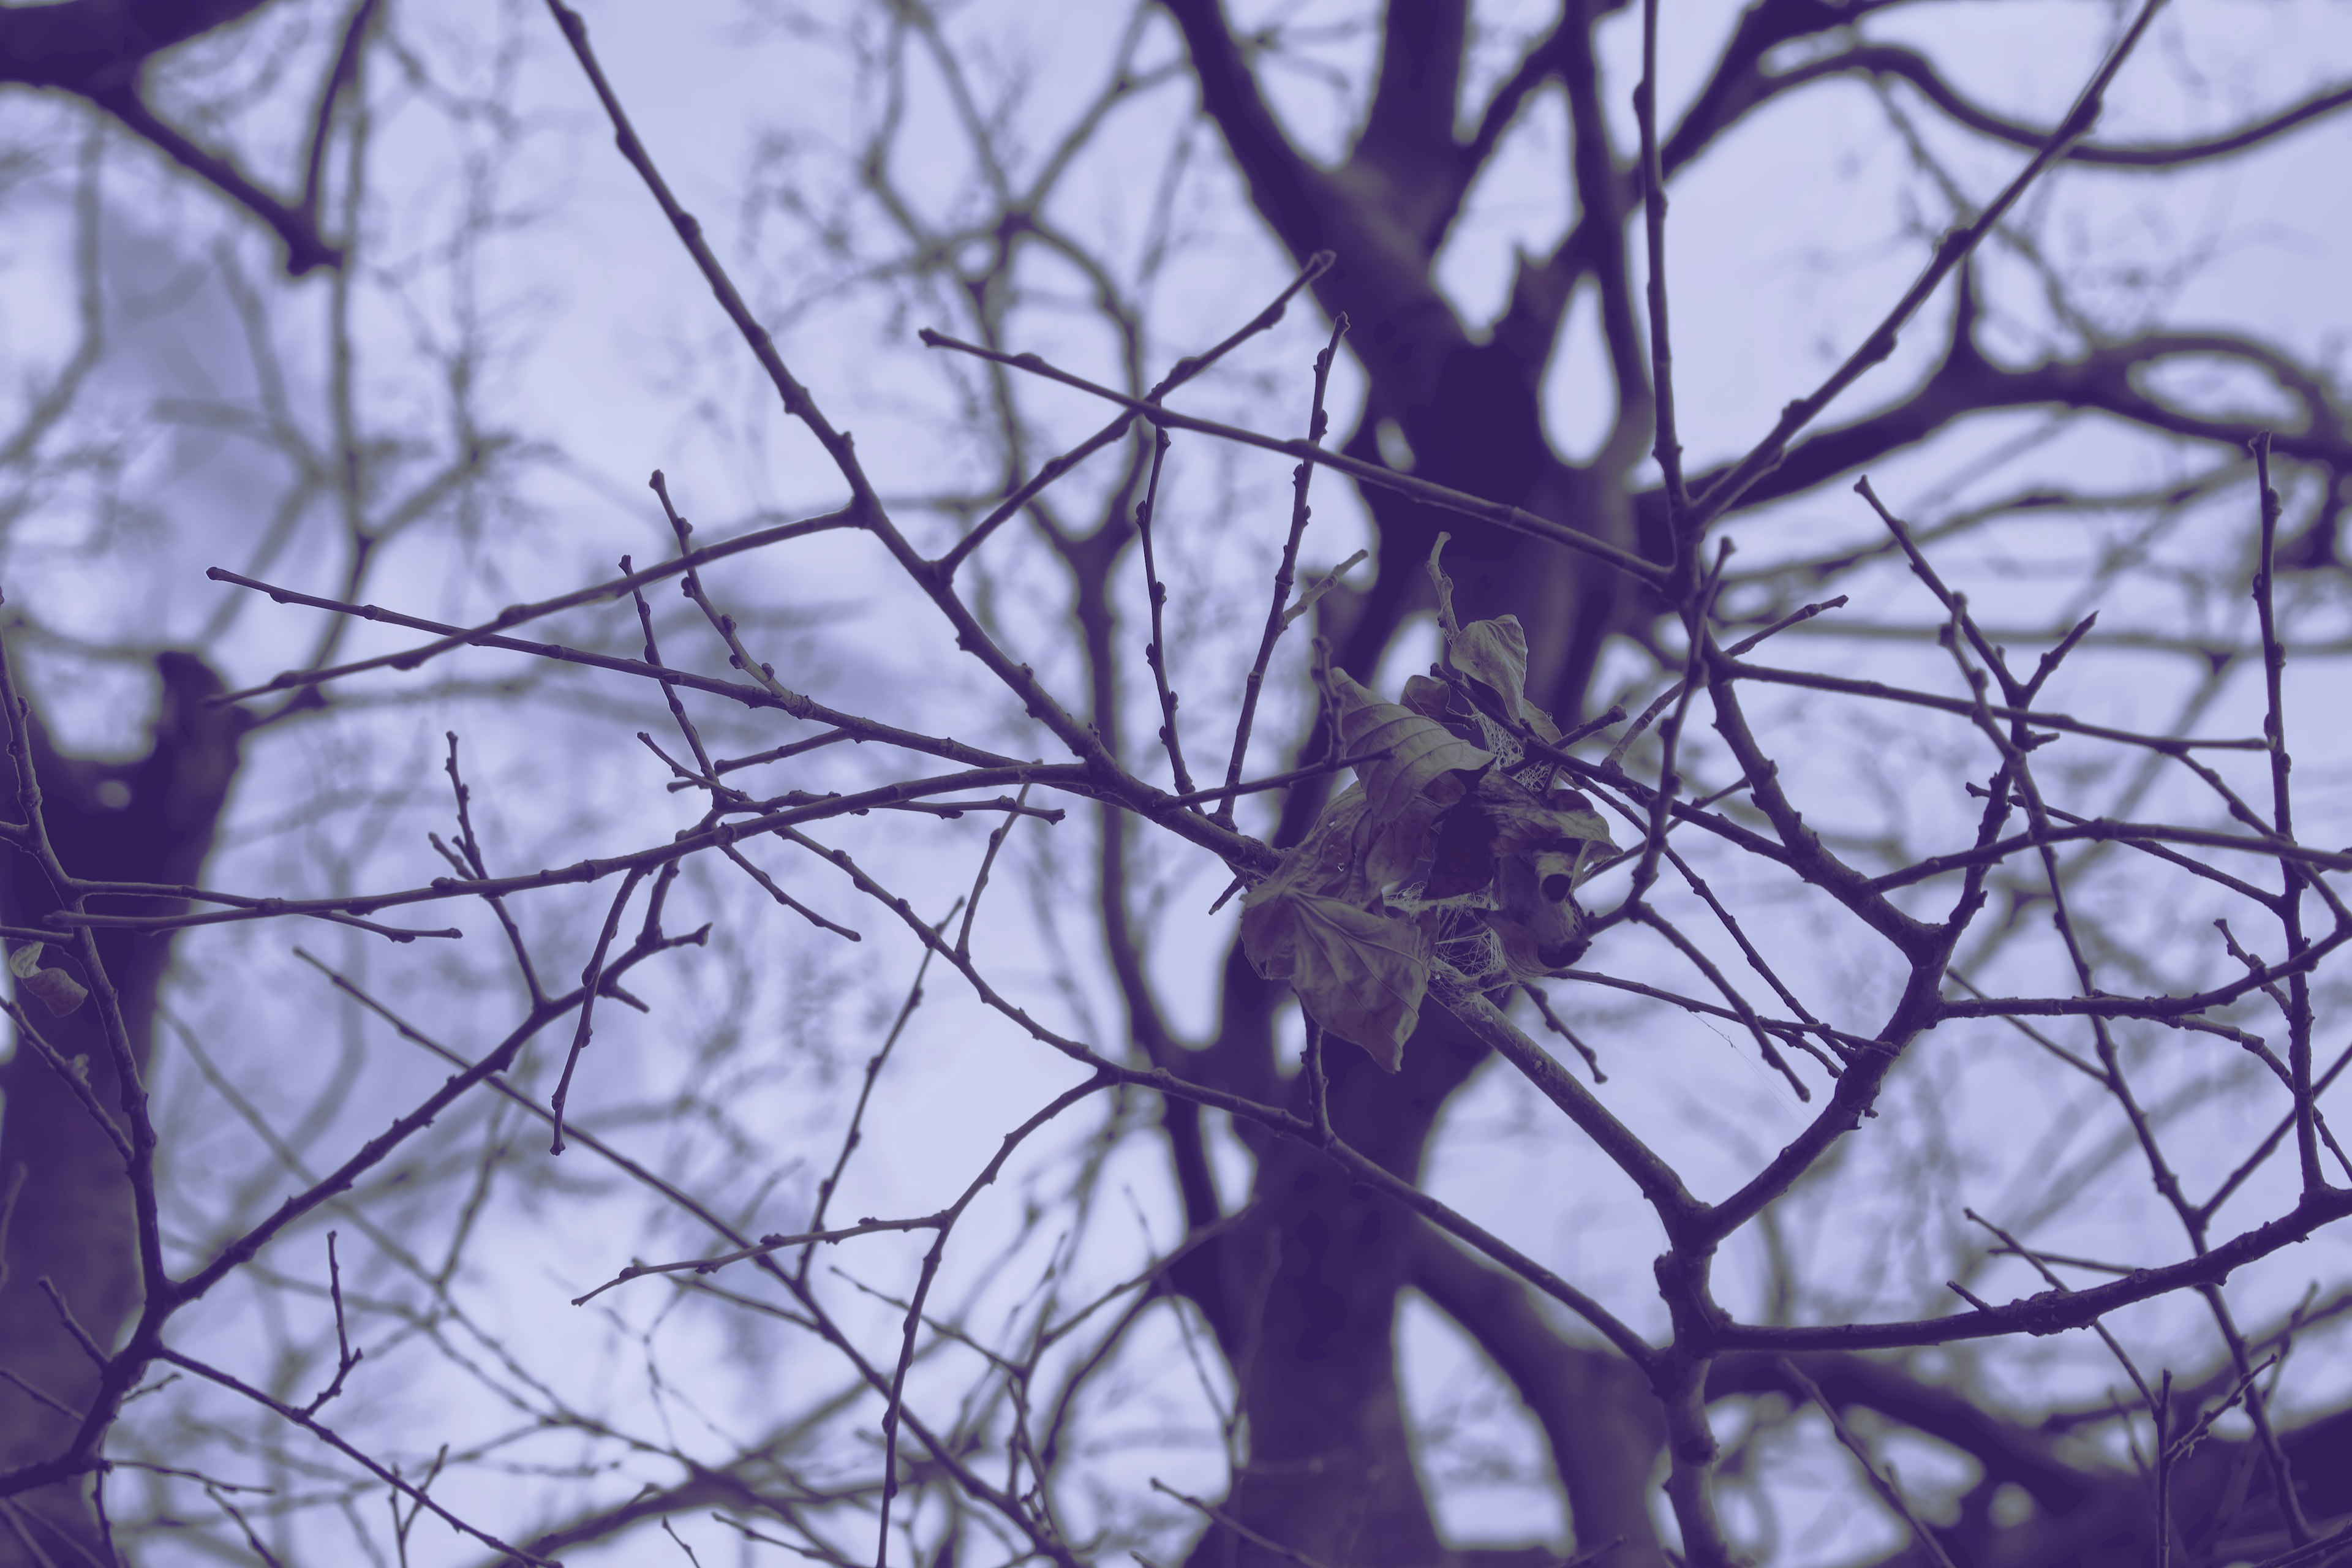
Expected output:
(59, 992)
(1542, 929)
(1524, 822)
(1427, 696)
(1533, 952)
(1501, 819)
(1542, 852)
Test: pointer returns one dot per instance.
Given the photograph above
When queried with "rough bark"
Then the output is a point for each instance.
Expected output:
(1303, 1297)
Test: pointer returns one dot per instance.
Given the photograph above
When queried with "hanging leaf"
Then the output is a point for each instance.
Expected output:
(25, 962)
(1359, 974)
(1422, 756)
(1329, 861)
(1494, 654)
(1327, 864)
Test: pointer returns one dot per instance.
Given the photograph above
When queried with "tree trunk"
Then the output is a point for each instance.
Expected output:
(150, 820)
(1305, 1310)
(1304, 1292)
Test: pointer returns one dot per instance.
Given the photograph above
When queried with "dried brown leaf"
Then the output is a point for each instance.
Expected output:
(1422, 756)
(1359, 974)
(58, 992)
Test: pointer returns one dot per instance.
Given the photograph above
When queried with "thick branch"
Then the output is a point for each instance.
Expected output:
(1595, 1408)
(2008, 1451)
(1886, 61)
(93, 47)
(2055, 1311)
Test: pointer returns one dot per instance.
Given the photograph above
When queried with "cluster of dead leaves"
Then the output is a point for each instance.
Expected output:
(1439, 832)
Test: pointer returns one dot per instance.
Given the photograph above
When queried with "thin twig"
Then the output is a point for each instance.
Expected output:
(590, 979)
(1317, 422)
(1954, 248)
(1883, 1485)
(346, 1357)
(1155, 652)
